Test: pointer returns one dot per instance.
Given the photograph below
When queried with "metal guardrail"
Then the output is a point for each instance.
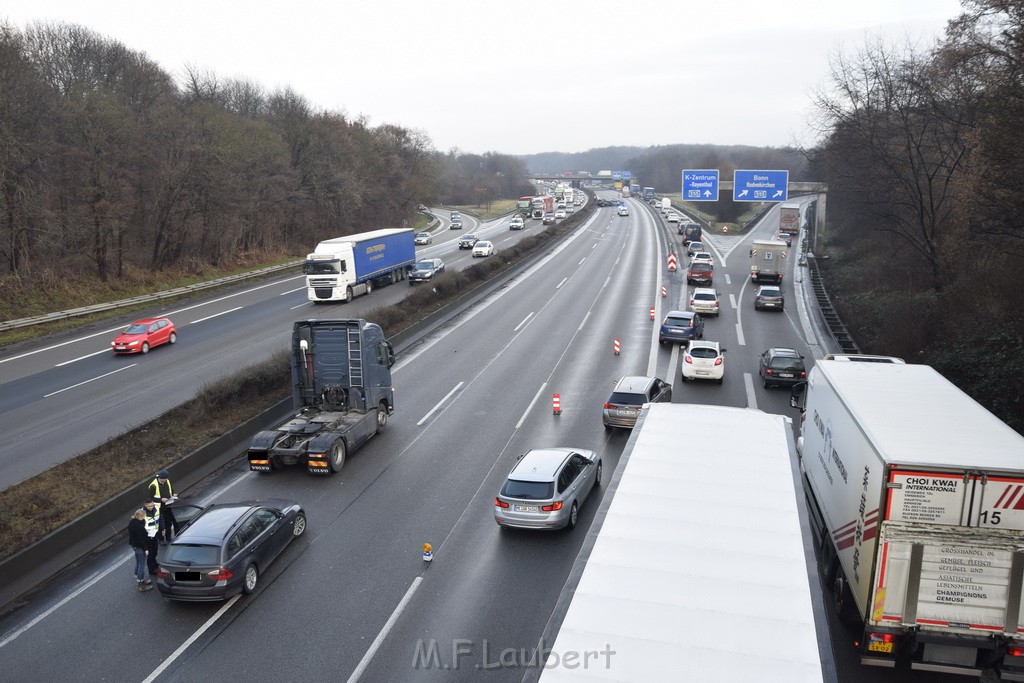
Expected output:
(833, 322)
(168, 294)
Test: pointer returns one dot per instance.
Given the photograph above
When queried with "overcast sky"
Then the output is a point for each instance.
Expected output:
(518, 76)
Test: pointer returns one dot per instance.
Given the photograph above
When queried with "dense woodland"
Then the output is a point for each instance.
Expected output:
(111, 167)
(922, 152)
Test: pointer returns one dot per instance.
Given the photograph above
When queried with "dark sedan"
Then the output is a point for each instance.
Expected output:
(781, 366)
(769, 297)
(680, 327)
(225, 548)
(425, 270)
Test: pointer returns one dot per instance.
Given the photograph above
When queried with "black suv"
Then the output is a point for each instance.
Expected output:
(781, 366)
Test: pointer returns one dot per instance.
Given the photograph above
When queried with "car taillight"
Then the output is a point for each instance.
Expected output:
(608, 406)
(803, 373)
(716, 303)
(500, 503)
(557, 505)
(768, 371)
(691, 303)
(688, 359)
(221, 574)
(162, 573)
(718, 361)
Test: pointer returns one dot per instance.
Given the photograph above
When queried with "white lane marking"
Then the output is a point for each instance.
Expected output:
(532, 403)
(739, 333)
(59, 391)
(195, 636)
(732, 300)
(439, 404)
(305, 303)
(559, 285)
(585, 319)
(292, 291)
(121, 327)
(583, 260)
(215, 315)
(368, 657)
(748, 384)
(78, 591)
(525, 320)
(728, 280)
(88, 355)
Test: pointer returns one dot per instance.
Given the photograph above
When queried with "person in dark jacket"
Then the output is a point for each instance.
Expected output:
(138, 539)
(151, 520)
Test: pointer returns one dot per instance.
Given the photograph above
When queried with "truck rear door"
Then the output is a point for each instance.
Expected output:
(948, 552)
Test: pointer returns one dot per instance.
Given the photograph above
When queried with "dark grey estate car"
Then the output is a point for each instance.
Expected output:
(425, 270)
(630, 394)
(226, 548)
(781, 366)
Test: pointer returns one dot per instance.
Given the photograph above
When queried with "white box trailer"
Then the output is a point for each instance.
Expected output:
(699, 564)
(768, 261)
(917, 495)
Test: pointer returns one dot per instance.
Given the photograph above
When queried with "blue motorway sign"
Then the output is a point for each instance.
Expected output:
(626, 175)
(760, 186)
(700, 185)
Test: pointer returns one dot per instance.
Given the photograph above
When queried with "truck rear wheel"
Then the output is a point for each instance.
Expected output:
(348, 294)
(382, 418)
(842, 598)
(369, 286)
(338, 456)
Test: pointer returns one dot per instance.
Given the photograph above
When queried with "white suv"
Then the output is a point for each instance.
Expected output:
(704, 360)
(704, 300)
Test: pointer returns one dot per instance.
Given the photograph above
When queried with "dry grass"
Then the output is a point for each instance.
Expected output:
(28, 510)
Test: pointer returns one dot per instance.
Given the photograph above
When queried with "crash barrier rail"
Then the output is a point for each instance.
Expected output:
(147, 298)
(27, 569)
(831, 318)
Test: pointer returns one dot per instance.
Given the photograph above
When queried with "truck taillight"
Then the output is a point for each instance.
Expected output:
(557, 505)
(500, 503)
(221, 574)
(1015, 651)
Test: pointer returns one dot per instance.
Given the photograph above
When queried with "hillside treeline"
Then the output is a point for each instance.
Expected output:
(109, 163)
(922, 154)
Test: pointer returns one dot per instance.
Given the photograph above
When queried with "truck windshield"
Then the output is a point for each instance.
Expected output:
(323, 267)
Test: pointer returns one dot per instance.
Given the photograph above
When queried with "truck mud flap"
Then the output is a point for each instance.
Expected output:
(259, 461)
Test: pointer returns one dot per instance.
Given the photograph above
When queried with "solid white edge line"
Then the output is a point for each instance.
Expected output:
(59, 391)
(748, 383)
(216, 315)
(375, 645)
(439, 404)
(532, 403)
(195, 636)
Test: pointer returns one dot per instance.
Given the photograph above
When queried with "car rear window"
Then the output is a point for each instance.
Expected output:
(700, 296)
(193, 554)
(527, 490)
(703, 352)
(678, 322)
(700, 267)
(782, 363)
(622, 398)
(770, 292)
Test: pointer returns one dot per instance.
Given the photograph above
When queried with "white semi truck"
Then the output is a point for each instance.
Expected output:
(699, 564)
(344, 267)
(916, 494)
(789, 218)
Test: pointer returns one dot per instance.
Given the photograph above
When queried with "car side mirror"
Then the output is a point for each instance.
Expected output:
(723, 350)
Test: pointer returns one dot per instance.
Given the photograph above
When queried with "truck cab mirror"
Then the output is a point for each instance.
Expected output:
(387, 354)
(797, 395)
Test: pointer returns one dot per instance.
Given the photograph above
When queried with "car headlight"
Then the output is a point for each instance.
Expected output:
(136, 342)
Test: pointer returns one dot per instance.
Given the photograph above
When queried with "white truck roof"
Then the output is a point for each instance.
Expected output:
(918, 417)
(699, 569)
(359, 237)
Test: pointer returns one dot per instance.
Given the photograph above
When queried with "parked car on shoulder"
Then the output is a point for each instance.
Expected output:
(781, 366)
(483, 248)
(547, 487)
(703, 360)
(226, 548)
(467, 241)
(425, 270)
(680, 327)
(143, 335)
(630, 394)
(769, 297)
(705, 300)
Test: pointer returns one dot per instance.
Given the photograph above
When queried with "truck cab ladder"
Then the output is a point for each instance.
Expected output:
(355, 356)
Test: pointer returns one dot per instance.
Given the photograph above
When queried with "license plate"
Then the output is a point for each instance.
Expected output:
(625, 413)
(187, 576)
(880, 646)
(703, 372)
(525, 508)
(121, 348)
(785, 374)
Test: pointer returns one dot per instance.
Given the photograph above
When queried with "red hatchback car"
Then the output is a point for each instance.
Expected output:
(142, 335)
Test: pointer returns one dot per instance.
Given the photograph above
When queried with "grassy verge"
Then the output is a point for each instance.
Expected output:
(35, 507)
(487, 211)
